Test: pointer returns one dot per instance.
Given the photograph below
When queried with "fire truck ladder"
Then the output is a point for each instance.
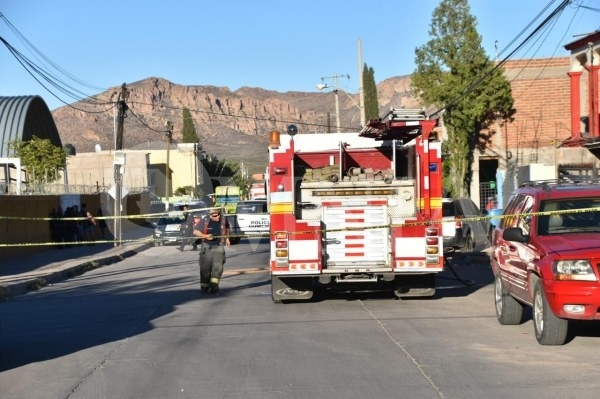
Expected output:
(403, 114)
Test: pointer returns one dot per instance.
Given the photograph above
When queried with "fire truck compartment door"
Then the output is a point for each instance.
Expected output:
(352, 236)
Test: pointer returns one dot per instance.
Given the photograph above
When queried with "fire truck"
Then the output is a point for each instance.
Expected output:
(356, 211)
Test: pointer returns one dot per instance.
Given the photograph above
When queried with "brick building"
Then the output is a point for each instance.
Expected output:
(551, 133)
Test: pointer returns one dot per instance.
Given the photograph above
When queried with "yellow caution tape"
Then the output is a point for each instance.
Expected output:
(260, 235)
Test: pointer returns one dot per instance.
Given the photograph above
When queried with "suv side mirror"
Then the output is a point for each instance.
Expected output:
(515, 234)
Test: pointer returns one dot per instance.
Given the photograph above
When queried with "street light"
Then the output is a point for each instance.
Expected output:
(323, 86)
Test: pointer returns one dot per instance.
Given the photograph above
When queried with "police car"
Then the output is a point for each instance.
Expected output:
(252, 218)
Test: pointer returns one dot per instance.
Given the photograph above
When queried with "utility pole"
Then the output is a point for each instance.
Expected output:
(361, 91)
(167, 171)
(122, 114)
(336, 93)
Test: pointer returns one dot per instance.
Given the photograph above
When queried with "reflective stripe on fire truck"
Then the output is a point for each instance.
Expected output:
(294, 254)
(282, 208)
(357, 202)
(433, 202)
(354, 246)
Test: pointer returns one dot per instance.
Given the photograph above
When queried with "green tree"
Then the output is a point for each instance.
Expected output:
(371, 101)
(189, 130)
(454, 74)
(42, 160)
(242, 181)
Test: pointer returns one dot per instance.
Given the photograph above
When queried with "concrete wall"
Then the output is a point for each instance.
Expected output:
(24, 224)
(143, 168)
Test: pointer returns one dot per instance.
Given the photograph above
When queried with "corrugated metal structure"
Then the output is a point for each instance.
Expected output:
(23, 117)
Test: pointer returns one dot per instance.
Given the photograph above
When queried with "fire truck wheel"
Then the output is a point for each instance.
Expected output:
(414, 286)
(292, 289)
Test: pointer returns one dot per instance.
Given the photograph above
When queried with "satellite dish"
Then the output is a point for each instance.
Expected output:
(97, 148)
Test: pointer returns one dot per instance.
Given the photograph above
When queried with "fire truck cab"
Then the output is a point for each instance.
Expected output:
(356, 211)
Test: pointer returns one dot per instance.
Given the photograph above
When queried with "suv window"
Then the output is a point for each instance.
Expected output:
(448, 209)
(559, 220)
(514, 212)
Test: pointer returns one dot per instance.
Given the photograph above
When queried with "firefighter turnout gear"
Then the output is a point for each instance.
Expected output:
(214, 232)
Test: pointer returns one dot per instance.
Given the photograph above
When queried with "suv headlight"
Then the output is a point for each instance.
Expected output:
(578, 269)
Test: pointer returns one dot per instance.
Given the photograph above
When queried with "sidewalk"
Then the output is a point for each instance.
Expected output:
(32, 272)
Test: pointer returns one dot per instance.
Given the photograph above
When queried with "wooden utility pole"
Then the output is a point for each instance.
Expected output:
(122, 108)
(168, 168)
(119, 164)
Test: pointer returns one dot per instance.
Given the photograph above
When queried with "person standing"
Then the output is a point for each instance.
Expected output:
(101, 222)
(214, 232)
(187, 229)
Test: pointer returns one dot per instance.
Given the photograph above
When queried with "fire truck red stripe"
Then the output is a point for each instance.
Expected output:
(361, 211)
(377, 202)
(354, 220)
(350, 237)
(355, 254)
(332, 203)
(355, 245)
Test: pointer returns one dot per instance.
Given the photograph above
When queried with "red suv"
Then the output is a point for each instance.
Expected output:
(546, 254)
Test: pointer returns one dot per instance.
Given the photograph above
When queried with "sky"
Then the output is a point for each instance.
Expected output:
(274, 45)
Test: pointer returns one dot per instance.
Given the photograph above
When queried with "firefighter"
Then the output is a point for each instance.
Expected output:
(213, 231)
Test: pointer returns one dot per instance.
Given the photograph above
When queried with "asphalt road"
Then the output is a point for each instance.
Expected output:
(140, 329)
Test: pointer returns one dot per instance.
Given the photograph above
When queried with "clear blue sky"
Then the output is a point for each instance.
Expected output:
(275, 45)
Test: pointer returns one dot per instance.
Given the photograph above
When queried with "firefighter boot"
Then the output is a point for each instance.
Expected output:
(214, 286)
(204, 288)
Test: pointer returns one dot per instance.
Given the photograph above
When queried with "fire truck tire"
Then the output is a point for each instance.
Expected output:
(291, 289)
(414, 286)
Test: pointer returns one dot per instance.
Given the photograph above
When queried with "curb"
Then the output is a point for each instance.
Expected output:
(36, 283)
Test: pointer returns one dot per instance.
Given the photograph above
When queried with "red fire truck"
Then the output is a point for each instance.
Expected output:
(356, 211)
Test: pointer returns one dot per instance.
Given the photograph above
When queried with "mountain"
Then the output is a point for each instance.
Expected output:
(232, 125)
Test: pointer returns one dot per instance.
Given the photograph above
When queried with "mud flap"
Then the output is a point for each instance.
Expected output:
(291, 288)
(414, 286)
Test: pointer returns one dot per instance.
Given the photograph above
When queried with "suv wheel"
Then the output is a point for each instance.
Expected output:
(469, 245)
(549, 329)
(508, 310)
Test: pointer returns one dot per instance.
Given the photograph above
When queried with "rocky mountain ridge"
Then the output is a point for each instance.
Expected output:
(232, 125)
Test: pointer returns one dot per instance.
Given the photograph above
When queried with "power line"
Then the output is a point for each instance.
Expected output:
(469, 89)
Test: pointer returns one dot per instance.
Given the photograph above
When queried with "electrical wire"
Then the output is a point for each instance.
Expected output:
(478, 81)
(36, 52)
(35, 71)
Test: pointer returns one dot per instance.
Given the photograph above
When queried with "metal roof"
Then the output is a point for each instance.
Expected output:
(23, 117)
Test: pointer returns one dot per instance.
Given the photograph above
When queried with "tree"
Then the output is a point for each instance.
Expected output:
(454, 74)
(40, 158)
(189, 130)
(371, 101)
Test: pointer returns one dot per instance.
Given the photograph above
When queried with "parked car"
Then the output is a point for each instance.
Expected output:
(464, 227)
(545, 256)
(168, 229)
(253, 217)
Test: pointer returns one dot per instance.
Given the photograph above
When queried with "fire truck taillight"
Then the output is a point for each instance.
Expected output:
(432, 240)
(281, 249)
